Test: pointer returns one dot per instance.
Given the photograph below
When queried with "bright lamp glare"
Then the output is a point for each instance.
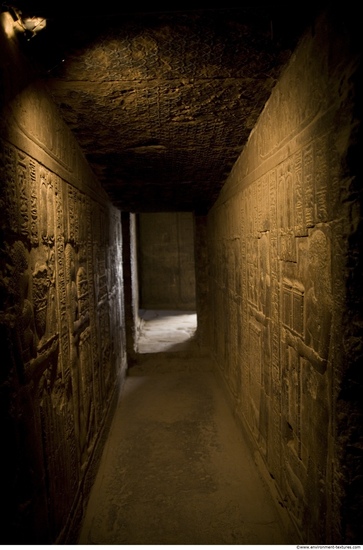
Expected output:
(8, 24)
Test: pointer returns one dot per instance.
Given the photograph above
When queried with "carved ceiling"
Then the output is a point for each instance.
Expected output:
(162, 103)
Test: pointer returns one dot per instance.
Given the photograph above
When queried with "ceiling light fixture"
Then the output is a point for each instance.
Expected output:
(30, 26)
(33, 25)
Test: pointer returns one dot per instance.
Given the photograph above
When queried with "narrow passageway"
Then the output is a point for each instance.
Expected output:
(181, 158)
(175, 469)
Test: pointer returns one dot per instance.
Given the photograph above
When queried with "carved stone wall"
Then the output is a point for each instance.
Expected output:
(279, 241)
(61, 320)
(166, 261)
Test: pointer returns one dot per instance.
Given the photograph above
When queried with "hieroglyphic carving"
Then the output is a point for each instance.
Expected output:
(273, 199)
(259, 201)
(33, 202)
(41, 285)
(252, 270)
(255, 210)
(294, 103)
(23, 188)
(308, 184)
(293, 305)
(255, 350)
(43, 204)
(46, 208)
(82, 207)
(321, 179)
(50, 210)
(264, 287)
(265, 203)
(85, 353)
(73, 218)
(249, 213)
(38, 118)
(287, 248)
(275, 344)
(76, 219)
(61, 278)
(233, 349)
(299, 217)
(275, 423)
(243, 268)
(92, 232)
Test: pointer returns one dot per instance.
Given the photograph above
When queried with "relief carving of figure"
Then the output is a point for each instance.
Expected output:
(306, 387)
(318, 305)
(20, 289)
(318, 297)
(31, 321)
(44, 298)
(78, 322)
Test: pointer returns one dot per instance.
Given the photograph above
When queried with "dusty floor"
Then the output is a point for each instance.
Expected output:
(175, 469)
(166, 331)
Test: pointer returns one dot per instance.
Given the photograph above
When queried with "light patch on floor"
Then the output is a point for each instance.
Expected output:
(166, 331)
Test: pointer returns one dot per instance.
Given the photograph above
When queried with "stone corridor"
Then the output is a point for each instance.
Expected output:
(176, 469)
(194, 159)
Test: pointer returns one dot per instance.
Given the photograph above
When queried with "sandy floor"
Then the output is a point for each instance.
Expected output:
(175, 469)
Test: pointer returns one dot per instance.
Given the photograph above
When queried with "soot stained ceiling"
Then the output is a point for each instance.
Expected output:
(163, 102)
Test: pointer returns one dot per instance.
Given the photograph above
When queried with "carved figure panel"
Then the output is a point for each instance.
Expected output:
(77, 323)
(252, 270)
(287, 248)
(306, 317)
(255, 352)
(21, 290)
